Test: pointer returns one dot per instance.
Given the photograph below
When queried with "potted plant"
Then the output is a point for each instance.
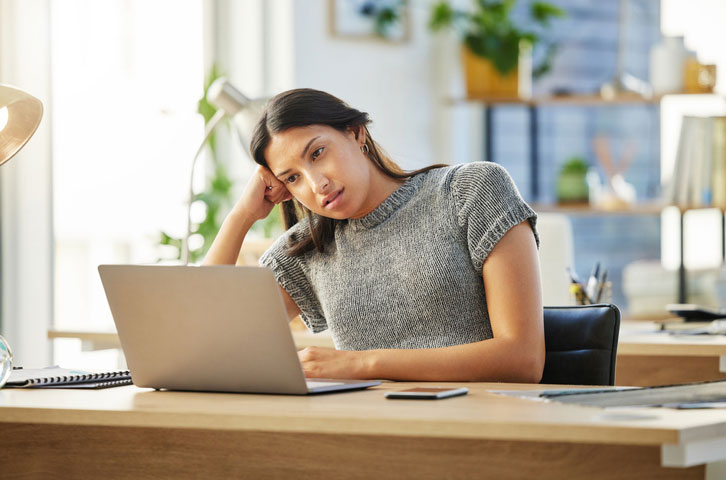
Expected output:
(572, 182)
(496, 52)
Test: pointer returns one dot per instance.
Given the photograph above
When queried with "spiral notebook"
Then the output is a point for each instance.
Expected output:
(57, 377)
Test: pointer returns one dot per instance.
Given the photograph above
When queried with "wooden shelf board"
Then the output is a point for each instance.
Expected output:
(576, 99)
(586, 209)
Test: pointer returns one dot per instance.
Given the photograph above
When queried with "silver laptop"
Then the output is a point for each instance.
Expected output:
(212, 328)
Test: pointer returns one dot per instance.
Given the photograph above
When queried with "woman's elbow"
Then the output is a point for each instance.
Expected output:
(532, 366)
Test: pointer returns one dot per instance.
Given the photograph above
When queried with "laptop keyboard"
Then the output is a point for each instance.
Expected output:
(314, 384)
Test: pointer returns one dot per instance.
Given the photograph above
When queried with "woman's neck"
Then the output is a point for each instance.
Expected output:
(381, 187)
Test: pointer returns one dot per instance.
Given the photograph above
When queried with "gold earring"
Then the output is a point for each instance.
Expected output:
(364, 149)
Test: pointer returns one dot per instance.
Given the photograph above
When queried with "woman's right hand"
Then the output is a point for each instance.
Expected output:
(262, 193)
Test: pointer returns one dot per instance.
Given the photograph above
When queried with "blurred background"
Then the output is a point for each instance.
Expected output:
(583, 102)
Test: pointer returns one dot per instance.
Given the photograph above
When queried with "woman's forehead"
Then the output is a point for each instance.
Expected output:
(287, 147)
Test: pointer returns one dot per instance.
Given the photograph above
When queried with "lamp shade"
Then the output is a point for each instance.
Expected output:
(20, 115)
(699, 173)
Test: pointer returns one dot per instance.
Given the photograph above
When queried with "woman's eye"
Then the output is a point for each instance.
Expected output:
(317, 152)
(292, 178)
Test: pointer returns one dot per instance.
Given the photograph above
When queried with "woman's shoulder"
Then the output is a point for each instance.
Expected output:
(454, 178)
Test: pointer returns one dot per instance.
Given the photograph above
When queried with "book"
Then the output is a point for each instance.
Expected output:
(57, 377)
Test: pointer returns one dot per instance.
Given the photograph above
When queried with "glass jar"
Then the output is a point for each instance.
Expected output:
(6, 361)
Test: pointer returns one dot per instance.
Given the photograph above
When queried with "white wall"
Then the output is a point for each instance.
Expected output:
(403, 86)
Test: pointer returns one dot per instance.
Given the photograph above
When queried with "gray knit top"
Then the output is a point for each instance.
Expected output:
(408, 274)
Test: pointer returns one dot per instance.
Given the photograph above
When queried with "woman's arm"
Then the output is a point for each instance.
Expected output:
(256, 203)
(516, 353)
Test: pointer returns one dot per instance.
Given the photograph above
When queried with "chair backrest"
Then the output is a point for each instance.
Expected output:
(581, 344)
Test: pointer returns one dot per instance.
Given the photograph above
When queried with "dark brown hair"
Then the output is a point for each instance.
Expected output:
(303, 107)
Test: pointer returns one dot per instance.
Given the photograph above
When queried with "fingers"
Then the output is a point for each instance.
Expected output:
(277, 193)
(274, 190)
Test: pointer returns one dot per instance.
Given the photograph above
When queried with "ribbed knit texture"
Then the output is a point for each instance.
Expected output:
(409, 274)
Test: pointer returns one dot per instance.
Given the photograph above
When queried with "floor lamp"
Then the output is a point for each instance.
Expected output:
(20, 115)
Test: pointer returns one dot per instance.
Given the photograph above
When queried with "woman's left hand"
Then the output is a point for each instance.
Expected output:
(320, 362)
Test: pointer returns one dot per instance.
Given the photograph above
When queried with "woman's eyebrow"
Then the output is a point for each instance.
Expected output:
(302, 155)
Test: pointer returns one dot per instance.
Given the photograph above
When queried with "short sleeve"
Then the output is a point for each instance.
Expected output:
(487, 205)
(293, 274)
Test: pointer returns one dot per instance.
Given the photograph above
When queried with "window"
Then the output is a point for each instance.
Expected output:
(126, 77)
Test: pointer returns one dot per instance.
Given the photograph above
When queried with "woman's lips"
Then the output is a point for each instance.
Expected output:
(334, 201)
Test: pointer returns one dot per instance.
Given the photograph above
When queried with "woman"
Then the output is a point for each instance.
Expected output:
(430, 275)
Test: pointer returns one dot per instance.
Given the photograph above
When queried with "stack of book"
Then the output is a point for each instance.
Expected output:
(699, 173)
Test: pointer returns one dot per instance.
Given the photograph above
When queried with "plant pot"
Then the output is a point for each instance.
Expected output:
(572, 188)
(483, 80)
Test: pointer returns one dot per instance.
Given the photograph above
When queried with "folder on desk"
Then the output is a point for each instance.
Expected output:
(57, 377)
(659, 396)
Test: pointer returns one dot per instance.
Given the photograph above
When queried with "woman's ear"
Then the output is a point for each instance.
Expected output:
(360, 134)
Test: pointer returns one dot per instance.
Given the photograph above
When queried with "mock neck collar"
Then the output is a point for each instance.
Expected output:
(392, 203)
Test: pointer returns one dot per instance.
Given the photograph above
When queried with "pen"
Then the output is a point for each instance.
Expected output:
(592, 282)
(577, 289)
(579, 293)
(602, 285)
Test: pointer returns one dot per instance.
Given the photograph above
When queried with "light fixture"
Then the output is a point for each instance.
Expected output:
(243, 111)
(20, 115)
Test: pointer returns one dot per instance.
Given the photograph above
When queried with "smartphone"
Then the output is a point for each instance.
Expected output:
(428, 393)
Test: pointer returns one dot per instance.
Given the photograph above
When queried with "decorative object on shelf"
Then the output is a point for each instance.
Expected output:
(20, 115)
(699, 171)
(382, 19)
(571, 186)
(618, 193)
(623, 81)
(667, 65)
(496, 53)
(698, 78)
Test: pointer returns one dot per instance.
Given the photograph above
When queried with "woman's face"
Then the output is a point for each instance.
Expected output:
(324, 169)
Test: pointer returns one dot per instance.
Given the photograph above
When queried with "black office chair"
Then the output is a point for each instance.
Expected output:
(581, 344)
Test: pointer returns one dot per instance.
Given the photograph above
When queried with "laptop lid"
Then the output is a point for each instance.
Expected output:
(210, 328)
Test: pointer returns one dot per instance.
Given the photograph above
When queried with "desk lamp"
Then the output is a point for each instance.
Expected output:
(231, 103)
(20, 115)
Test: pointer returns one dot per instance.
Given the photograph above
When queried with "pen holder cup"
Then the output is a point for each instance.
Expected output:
(603, 294)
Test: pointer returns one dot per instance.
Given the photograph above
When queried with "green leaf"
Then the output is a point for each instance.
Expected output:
(575, 165)
(442, 16)
(543, 12)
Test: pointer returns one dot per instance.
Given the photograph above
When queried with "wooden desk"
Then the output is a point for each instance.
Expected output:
(128, 432)
(647, 356)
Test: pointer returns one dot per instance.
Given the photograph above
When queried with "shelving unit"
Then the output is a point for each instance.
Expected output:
(533, 104)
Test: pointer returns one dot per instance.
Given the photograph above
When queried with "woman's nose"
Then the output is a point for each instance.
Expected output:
(320, 183)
